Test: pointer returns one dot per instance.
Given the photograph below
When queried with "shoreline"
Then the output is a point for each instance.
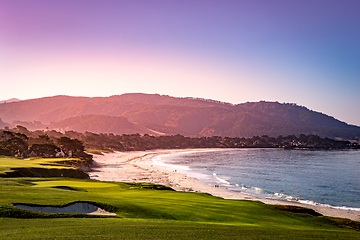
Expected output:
(130, 167)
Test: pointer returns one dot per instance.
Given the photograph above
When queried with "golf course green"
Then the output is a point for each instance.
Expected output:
(147, 211)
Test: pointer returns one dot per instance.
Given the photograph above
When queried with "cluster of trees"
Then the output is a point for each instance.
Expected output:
(290, 142)
(20, 142)
(133, 142)
(24, 143)
(13, 144)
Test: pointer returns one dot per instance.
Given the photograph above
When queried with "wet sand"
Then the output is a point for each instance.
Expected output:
(130, 167)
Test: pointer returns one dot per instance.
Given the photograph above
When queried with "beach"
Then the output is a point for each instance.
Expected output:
(131, 167)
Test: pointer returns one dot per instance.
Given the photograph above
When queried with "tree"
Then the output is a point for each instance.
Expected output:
(73, 148)
(13, 146)
(70, 146)
(44, 150)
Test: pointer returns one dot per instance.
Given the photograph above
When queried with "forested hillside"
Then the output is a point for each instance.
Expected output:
(164, 115)
(100, 124)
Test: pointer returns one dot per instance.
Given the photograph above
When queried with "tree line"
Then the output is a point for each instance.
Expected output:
(21, 142)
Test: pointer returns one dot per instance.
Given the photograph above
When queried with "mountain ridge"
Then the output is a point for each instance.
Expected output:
(163, 114)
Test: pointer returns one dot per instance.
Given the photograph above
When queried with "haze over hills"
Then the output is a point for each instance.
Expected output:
(158, 114)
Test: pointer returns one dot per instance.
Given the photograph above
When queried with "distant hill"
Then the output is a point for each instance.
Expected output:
(158, 114)
(100, 124)
(10, 100)
(27, 110)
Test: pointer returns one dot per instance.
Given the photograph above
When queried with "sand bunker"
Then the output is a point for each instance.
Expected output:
(78, 207)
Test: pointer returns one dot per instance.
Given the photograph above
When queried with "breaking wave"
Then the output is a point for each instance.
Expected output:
(262, 193)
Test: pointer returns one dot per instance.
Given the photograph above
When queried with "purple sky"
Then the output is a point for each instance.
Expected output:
(307, 52)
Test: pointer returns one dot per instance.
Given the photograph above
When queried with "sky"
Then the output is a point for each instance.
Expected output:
(305, 52)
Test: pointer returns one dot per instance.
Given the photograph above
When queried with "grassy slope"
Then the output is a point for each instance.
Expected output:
(10, 162)
(147, 213)
(39, 167)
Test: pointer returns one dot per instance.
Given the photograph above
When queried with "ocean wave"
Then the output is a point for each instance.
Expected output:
(222, 180)
(158, 162)
(309, 202)
(248, 189)
(265, 194)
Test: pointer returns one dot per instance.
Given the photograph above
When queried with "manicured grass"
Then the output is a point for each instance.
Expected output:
(10, 162)
(39, 167)
(150, 229)
(152, 212)
(73, 184)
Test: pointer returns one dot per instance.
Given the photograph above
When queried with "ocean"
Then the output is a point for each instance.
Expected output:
(321, 177)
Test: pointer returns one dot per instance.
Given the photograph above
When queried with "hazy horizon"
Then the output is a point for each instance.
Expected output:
(235, 51)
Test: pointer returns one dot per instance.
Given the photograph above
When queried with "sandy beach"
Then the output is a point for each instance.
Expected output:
(130, 167)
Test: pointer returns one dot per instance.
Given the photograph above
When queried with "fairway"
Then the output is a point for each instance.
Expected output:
(40, 167)
(73, 184)
(150, 211)
(150, 229)
(10, 162)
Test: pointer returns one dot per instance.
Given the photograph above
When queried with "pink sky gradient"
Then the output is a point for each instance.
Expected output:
(306, 52)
